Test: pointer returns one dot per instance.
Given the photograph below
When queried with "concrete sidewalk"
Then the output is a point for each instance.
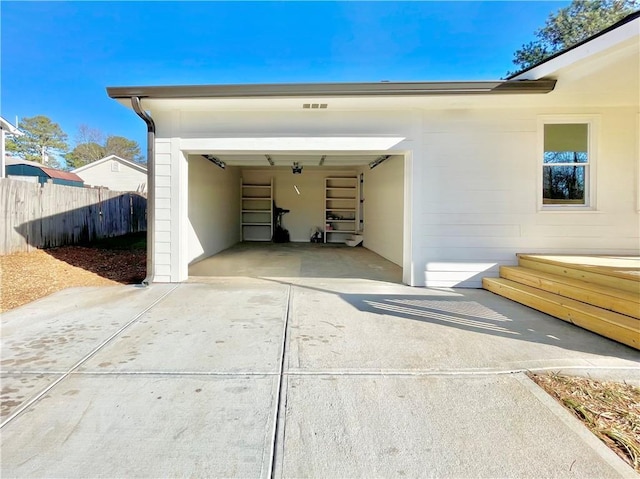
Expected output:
(378, 380)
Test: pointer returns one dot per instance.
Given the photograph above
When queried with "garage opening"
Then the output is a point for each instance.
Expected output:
(324, 202)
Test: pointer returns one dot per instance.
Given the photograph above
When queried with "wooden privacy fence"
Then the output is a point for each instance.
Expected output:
(44, 216)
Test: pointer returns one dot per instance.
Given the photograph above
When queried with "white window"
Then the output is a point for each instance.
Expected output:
(567, 164)
(115, 166)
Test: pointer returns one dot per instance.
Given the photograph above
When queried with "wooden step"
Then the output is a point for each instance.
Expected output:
(618, 327)
(613, 299)
(613, 272)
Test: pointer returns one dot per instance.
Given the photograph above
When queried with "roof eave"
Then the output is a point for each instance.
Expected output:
(9, 128)
(628, 19)
(131, 164)
(317, 90)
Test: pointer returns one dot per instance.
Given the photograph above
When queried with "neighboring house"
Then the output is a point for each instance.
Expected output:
(458, 177)
(6, 128)
(114, 173)
(25, 170)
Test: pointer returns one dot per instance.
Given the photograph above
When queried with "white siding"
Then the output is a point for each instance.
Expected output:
(163, 245)
(472, 185)
(103, 174)
(478, 195)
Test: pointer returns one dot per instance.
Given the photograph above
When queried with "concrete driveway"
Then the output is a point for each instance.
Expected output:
(238, 377)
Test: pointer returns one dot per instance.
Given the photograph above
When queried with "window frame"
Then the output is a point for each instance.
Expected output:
(593, 124)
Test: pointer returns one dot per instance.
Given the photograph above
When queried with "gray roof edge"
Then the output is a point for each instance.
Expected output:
(294, 90)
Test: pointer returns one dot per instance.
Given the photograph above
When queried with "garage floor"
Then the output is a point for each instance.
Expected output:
(297, 260)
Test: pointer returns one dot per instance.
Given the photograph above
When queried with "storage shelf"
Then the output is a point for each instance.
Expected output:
(256, 211)
(340, 196)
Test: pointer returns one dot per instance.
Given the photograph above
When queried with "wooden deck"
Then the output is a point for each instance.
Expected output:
(598, 293)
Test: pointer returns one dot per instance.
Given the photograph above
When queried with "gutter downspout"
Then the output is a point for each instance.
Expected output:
(151, 188)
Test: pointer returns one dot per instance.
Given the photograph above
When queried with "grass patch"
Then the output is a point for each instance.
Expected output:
(611, 410)
(129, 242)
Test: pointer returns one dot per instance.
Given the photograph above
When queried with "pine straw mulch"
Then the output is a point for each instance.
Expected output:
(611, 410)
(25, 277)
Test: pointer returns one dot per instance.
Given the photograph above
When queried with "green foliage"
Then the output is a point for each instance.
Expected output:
(88, 147)
(83, 154)
(124, 148)
(569, 26)
(42, 140)
(91, 145)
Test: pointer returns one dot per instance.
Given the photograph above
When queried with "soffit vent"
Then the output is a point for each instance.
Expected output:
(314, 106)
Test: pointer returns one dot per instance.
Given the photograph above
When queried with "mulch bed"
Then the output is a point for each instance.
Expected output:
(611, 410)
(25, 277)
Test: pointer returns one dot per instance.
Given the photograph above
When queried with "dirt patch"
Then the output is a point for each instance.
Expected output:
(25, 277)
(611, 410)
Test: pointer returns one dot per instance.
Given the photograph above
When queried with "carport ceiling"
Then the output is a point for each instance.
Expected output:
(315, 159)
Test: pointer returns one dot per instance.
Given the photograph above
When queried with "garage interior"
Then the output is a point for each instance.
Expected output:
(233, 202)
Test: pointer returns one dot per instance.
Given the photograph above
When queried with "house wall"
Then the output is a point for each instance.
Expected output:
(213, 209)
(472, 182)
(180, 133)
(126, 179)
(384, 209)
(479, 188)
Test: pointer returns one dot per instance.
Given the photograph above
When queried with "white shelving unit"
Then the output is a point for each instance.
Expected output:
(341, 208)
(256, 215)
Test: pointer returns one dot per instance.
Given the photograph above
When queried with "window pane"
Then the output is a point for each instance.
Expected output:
(563, 185)
(565, 157)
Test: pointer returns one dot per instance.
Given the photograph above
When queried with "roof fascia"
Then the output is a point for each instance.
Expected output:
(295, 90)
(9, 128)
(625, 29)
(88, 165)
(140, 168)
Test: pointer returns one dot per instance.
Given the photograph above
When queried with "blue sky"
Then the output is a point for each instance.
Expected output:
(58, 57)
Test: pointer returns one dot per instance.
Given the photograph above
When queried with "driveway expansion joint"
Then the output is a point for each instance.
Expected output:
(23, 407)
(281, 391)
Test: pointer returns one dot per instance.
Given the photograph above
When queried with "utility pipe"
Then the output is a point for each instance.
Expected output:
(151, 188)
